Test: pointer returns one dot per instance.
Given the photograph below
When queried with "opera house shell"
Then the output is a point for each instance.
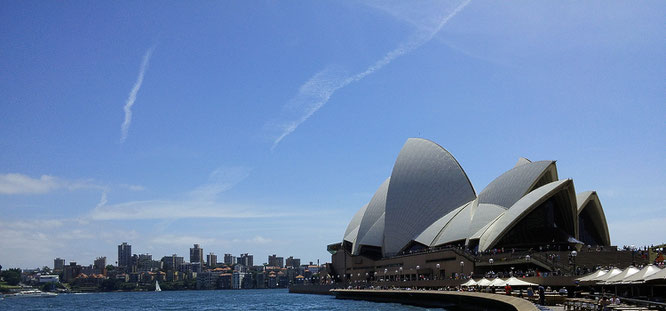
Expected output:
(429, 202)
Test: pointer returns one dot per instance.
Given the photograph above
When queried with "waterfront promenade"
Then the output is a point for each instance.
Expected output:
(443, 299)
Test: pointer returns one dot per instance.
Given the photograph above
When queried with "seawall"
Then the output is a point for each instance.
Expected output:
(316, 289)
(471, 301)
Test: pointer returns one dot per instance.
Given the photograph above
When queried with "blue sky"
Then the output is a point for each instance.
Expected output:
(262, 126)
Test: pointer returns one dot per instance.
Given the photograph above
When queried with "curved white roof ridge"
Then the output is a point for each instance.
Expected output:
(474, 217)
(376, 208)
(582, 201)
(427, 182)
(522, 208)
(374, 236)
(477, 235)
(432, 233)
(522, 161)
(351, 236)
(354, 224)
(508, 188)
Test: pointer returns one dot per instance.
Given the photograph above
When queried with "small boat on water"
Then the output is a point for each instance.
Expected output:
(157, 286)
(32, 293)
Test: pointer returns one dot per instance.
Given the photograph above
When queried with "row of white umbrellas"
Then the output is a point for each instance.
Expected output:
(630, 275)
(512, 281)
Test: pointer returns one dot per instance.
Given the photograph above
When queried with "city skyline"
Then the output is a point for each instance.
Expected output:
(262, 127)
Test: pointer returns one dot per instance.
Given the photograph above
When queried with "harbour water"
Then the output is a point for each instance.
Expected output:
(268, 299)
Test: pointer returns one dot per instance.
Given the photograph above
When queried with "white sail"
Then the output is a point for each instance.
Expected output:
(157, 286)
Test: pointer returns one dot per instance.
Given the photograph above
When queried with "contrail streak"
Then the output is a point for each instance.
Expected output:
(316, 92)
(124, 128)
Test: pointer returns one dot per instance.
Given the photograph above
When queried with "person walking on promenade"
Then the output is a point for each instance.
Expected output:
(542, 295)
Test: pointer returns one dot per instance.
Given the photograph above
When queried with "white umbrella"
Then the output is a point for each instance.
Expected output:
(483, 282)
(639, 277)
(497, 283)
(513, 281)
(592, 275)
(629, 271)
(471, 282)
(661, 275)
(613, 272)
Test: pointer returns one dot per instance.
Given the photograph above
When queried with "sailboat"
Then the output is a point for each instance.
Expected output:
(157, 286)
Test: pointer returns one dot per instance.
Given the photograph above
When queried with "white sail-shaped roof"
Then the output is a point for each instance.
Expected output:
(426, 183)
(589, 203)
(523, 207)
(483, 282)
(640, 276)
(509, 187)
(374, 236)
(483, 230)
(472, 218)
(430, 234)
(373, 212)
(352, 228)
(629, 271)
(522, 161)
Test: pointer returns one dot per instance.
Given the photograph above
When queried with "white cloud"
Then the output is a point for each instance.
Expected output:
(32, 224)
(200, 203)
(133, 187)
(103, 200)
(317, 91)
(14, 183)
(22, 184)
(124, 128)
(220, 180)
(168, 209)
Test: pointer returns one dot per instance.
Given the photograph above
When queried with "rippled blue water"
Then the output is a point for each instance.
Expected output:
(267, 299)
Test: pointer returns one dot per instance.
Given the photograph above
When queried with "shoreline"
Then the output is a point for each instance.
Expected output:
(473, 301)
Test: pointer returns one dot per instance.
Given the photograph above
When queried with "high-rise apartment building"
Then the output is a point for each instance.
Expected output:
(293, 262)
(246, 260)
(100, 265)
(211, 260)
(172, 262)
(58, 264)
(124, 255)
(196, 254)
(229, 259)
(275, 261)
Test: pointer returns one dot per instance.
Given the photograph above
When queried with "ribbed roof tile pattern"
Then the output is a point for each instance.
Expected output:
(430, 234)
(373, 212)
(426, 184)
(468, 222)
(509, 187)
(374, 236)
(354, 224)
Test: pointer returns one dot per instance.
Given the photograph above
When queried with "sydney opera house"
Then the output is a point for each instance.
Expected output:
(428, 203)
